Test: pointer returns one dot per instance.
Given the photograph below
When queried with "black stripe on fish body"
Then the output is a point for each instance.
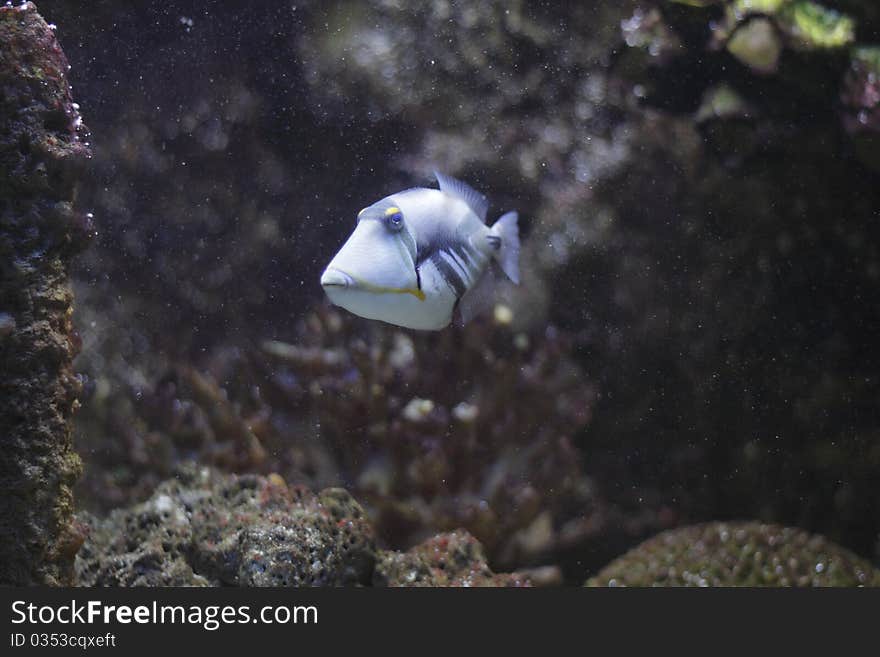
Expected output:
(458, 265)
(475, 266)
(449, 273)
(427, 250)
(480, 258)
(463, 266)
(472, 258)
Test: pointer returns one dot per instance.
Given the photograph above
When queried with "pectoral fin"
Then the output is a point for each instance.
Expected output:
(479, 299)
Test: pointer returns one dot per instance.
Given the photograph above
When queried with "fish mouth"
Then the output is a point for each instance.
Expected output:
(336, 278)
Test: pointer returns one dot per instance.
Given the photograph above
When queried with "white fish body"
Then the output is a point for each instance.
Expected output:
(418, 254)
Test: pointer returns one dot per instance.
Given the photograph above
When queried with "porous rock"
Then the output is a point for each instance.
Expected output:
(42, 151)
(204, 528)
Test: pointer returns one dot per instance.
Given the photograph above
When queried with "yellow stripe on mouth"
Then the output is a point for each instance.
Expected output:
(379, 289)
(418, 294)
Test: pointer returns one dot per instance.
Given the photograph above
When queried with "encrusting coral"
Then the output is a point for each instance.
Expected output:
(453, 559)
(738, 554)
(204, 528)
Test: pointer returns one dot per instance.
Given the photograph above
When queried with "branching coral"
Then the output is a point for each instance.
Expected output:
(468, 428)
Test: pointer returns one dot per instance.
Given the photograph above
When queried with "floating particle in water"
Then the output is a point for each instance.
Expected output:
(503, 314)
(417, 410)
(465, 413)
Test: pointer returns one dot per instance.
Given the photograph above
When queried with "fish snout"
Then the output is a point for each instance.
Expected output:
(335, 278)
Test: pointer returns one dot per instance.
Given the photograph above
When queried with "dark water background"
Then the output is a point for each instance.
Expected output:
(714, 269)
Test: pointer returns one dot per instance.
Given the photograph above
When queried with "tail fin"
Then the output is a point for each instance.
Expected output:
(508, 254)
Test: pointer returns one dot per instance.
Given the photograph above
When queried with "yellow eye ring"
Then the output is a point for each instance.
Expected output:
(392, 210)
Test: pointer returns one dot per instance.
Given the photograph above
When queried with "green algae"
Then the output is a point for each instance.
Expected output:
(758, 6)
(816, 26)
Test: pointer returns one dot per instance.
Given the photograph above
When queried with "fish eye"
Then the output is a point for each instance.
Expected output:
(394, 219)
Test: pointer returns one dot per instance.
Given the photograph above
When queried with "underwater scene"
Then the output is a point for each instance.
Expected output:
(389, 293)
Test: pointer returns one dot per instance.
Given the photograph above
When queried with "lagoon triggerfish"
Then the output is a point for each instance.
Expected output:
(417, 256)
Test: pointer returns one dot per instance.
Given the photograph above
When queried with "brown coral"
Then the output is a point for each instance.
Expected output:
(489, 452)
(454, 559)
(204, 528)
(370, 407)
(738, 554)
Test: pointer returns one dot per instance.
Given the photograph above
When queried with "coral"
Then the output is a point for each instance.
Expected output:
(454, 559)
(43, 148)
(370, 407)
(133, 432)
(490, 453)
(204, 528)
(738, 554)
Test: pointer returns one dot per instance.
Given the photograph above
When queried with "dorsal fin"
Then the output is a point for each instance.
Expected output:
(475, 201)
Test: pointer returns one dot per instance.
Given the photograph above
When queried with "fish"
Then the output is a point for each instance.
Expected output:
(419, 255)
